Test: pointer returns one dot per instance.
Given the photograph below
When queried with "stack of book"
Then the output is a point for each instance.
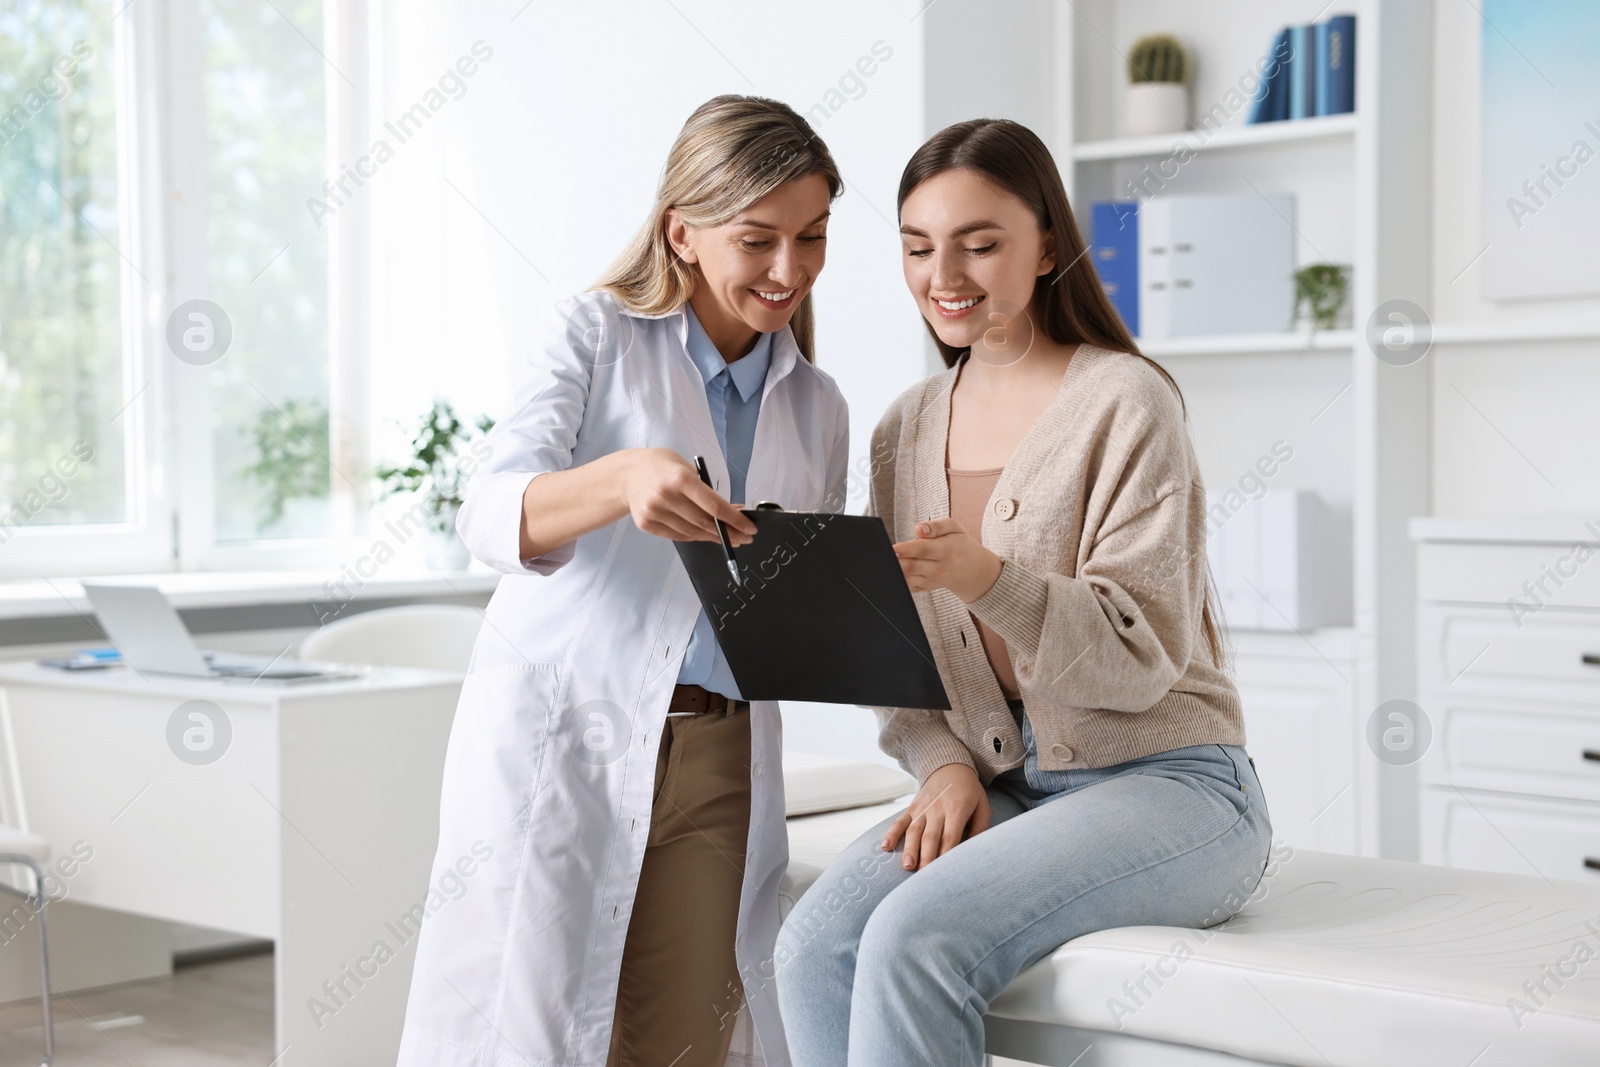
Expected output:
(1311, 70)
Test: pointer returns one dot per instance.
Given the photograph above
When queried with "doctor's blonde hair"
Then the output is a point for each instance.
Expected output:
(733, 151)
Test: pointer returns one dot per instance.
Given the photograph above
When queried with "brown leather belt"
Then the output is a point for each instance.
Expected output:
(697, 700)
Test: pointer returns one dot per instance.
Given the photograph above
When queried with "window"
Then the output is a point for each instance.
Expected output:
(169, 393)
(64, 446)
(267, 266)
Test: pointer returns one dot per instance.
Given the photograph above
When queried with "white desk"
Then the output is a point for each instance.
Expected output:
(315, 828)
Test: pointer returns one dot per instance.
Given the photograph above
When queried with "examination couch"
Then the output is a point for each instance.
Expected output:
(1336, 961)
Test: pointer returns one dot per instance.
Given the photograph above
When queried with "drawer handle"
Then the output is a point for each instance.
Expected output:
(1592, 754)
(1591, 659)
(1592, 862)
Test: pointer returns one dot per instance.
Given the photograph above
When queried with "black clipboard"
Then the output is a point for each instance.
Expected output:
(824, 613)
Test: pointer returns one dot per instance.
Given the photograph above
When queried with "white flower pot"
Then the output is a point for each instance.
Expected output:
(442, 547)
(1155, 107)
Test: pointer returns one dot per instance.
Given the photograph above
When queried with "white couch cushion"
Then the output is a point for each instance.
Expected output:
(826, 783)
(1340, 961)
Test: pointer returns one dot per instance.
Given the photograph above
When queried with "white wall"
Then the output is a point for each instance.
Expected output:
(1513, 421)
(981, 66)
(555, 151)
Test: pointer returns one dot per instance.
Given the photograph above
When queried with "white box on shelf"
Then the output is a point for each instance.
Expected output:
(1216, 264)
(1234, 551)
(1280, 561)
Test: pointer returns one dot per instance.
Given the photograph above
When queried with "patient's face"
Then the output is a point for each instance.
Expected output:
(971, 253)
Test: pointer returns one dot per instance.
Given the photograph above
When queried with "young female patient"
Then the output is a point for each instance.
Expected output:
(1050, 520)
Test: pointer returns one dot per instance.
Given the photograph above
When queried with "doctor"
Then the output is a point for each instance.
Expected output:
(619, 808)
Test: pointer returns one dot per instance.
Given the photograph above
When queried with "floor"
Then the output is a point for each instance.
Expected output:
(207, 1015)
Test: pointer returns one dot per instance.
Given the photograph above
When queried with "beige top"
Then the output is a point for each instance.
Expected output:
(1100, 518)
(969, 499)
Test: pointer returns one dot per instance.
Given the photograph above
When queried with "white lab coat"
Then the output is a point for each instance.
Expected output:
(551, 763)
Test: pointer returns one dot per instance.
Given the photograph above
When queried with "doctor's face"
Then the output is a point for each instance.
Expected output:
(759, 265)
(971, 253)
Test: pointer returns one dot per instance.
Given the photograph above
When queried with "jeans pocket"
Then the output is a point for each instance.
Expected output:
(1238, 782)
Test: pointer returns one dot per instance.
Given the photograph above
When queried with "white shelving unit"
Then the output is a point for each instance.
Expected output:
(1157, 145)
(1236, 343)
(1358, 426)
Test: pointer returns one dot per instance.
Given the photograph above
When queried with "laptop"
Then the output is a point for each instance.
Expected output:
(145, 629)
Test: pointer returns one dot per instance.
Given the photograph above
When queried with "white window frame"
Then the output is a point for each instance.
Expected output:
(161, 181)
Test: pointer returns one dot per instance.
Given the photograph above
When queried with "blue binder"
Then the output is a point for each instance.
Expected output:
(1271, 103)
(1302, 73)
(1336, 65)
(1115, 252)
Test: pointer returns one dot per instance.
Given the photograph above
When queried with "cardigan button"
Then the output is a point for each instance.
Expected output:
(1004, 508)
(1061, 751)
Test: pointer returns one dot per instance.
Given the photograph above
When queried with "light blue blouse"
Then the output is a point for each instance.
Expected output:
(734, 393)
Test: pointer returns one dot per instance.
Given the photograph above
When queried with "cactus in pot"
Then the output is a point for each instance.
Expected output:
(1158, 90)
(1158, 58)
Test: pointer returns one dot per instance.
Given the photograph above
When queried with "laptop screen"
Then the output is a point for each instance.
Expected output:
(144, 628)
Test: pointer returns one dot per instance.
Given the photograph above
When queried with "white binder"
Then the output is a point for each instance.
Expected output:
(1216, 264)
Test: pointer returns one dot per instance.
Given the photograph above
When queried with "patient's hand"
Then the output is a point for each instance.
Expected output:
(950, 806)
(945, 556)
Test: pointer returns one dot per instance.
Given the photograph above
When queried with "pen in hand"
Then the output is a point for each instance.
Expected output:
(722, 531)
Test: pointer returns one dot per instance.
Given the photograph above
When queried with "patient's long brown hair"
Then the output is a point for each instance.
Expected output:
(1070, 304)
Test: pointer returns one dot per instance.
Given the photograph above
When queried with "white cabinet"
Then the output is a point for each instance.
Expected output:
(1302, 732)
(1508, 674)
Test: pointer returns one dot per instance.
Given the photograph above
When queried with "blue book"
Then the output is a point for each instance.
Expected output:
(1302, 73)
(1336, 65)
(1115, 251)
(1271, 103)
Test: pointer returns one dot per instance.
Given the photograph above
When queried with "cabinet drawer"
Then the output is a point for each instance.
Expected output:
(1485, 650)
(1485, 832)
(1519, 749)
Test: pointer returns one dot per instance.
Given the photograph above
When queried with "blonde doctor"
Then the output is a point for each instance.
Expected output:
(629, 800)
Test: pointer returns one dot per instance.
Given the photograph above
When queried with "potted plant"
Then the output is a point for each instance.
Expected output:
(1320, 291)
(441, 463)
(291, 464)
(1158, 87)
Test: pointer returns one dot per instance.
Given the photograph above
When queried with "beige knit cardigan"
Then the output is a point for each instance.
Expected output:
(1100, 519)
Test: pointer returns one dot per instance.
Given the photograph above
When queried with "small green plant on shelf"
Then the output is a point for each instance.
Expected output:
(1158, 58)
(291, 449)
(1320, 291)
(440, 462)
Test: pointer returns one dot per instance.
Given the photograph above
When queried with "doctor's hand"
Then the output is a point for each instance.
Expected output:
(666, 497)
(946, 556)
(950, 807)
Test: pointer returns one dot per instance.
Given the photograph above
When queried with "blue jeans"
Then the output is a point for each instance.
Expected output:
(881, 967)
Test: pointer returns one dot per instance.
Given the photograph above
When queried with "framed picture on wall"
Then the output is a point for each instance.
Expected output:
(1541, 149)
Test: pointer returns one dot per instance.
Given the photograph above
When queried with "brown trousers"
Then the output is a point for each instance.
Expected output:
(680, 989)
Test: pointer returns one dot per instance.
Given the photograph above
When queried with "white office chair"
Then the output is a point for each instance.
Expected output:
(32, 852)
(433, 636)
